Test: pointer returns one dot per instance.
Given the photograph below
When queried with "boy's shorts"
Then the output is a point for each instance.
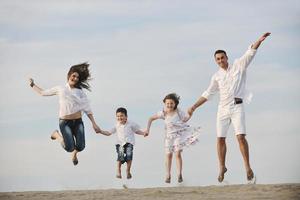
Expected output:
(236, 116)
(125, 152)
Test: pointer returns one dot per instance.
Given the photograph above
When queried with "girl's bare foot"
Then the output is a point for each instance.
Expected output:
(180, 179)
(118, 176)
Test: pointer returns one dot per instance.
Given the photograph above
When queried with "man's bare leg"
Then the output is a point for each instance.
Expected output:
(221, 148)
(244, 148)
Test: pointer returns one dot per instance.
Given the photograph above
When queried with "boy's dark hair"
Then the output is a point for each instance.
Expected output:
(220, 51)
(122, 110)
(174, 97)
(84, 75)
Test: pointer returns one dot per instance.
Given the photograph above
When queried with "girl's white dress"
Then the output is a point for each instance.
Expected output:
(178, 133)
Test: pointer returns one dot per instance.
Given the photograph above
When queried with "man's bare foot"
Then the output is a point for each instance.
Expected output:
(250, 175)
(168, 179)
(55, 135)
(221, 175)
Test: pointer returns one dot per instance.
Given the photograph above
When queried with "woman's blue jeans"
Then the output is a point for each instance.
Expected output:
(73, 134)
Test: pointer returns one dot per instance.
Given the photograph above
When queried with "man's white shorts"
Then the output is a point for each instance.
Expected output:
(235, 115)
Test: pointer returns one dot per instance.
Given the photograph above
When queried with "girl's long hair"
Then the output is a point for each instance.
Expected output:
(84, 75)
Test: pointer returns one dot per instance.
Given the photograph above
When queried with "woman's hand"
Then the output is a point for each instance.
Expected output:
(96, 128)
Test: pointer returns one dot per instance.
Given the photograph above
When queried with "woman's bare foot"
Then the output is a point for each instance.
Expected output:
(221, 175)
(74, 158)
(55, 135)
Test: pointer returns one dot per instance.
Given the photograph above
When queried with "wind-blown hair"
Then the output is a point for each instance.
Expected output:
(84, 75)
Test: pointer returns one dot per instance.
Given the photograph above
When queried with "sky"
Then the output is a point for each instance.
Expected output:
(139, 51)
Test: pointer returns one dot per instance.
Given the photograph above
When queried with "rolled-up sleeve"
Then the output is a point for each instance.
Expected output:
(246, 59)
(86, 104)
(212, 89)
(50, 92)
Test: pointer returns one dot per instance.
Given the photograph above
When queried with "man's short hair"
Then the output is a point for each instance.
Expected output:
(220, 51)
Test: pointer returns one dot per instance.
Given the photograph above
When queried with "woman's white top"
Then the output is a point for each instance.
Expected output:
(71, 100)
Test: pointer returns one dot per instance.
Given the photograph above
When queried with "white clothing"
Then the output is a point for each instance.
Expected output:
(125, 132)
(71, 100)
(236, 117)
(231, 84)
(178, 134)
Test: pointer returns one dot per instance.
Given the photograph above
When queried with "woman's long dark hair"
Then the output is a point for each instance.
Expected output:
(84, 75)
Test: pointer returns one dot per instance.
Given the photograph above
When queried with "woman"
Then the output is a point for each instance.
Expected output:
(72, 101)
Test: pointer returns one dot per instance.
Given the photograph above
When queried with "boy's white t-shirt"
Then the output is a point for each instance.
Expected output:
(125, 132)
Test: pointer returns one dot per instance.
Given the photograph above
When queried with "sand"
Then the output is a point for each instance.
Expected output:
(242, 192)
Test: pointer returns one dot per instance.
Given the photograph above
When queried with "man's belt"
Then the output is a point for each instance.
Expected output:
(238, 100)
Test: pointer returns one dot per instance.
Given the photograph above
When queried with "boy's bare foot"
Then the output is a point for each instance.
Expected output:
(55, 135)
(221, 175)
(129, 176)
(180, 179)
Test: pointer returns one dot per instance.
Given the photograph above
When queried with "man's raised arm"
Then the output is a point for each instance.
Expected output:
(260, 40)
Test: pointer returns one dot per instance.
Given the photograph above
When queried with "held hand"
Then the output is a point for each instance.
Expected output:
(190, 111)
(264, 36)
(96, 128)
(146, 133)
(187, 118)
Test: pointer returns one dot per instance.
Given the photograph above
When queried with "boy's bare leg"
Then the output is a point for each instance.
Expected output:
(119, 164)
(129, 162)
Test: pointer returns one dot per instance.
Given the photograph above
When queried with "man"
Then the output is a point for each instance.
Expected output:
(230, 81)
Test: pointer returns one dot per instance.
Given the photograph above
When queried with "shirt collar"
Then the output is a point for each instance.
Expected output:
(119, 124)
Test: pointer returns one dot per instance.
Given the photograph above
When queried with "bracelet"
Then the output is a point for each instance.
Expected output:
(31, 84)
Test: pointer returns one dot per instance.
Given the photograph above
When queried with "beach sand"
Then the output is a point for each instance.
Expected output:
(242, 192)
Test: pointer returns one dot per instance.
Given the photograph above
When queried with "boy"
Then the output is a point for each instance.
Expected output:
(125, 130)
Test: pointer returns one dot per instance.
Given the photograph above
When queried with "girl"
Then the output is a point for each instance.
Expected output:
(72, 101)
(178, 133)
